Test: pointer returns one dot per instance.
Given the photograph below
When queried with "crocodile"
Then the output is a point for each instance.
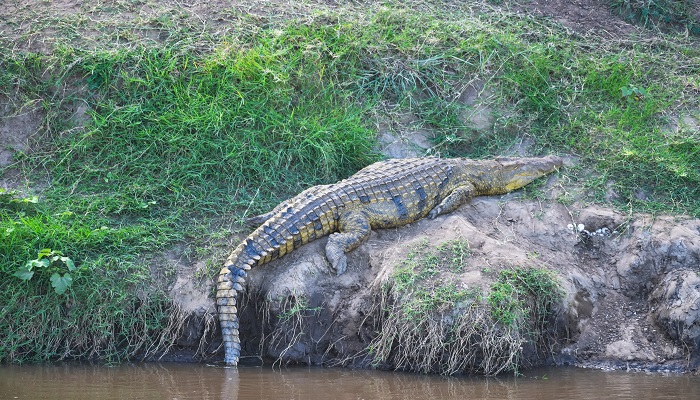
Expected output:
(385, 194)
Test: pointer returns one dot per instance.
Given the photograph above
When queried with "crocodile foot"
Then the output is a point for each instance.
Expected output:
(338, 260)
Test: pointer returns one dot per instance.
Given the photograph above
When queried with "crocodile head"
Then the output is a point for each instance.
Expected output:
(513, 173)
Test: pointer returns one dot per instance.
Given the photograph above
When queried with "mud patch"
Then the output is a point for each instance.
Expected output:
(477, 113)
(400, 136)
(583, 16)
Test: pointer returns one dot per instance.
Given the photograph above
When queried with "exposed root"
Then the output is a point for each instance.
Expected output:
(210, 326)
(285, 325)
(168, 337)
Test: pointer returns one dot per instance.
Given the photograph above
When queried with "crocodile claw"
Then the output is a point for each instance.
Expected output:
(339, 263)
(434, 212)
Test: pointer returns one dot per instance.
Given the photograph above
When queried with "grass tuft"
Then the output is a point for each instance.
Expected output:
(427, 322)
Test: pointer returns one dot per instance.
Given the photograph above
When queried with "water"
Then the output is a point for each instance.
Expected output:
(197, 381)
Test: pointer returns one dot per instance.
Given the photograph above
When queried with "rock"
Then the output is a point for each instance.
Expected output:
(676, 300)
(595, 218)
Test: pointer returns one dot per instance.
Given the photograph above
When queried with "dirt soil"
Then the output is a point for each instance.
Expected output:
(632, 288)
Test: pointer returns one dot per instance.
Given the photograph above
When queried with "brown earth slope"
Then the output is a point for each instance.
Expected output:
(632, 285)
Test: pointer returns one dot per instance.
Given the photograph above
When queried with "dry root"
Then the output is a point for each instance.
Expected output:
(285, 325)
(463, 340)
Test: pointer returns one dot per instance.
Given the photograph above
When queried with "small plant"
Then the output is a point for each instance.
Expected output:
(633, 93)
(506, 305)
(660, 14)
(299, 308)
(50, 261)
(456, 251)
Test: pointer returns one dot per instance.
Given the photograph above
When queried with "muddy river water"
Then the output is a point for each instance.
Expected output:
(199, 381)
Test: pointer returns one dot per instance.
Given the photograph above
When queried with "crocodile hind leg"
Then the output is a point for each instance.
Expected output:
(354, 228)
(459, 196)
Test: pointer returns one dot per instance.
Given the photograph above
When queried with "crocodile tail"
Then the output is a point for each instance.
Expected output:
(230, 282)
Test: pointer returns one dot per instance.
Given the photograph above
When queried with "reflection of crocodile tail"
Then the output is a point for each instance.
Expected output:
(230, 384)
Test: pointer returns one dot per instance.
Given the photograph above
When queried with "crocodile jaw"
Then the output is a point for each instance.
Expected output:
(518, 172)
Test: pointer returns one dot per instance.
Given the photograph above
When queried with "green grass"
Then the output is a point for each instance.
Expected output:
(115, 307)
(524, 293)
(424, 280)
(176, 139)
(184, 137)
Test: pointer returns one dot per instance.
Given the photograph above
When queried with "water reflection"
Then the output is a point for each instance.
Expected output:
(198, 381)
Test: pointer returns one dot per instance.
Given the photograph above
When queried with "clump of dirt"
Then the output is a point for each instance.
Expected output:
(631, 286)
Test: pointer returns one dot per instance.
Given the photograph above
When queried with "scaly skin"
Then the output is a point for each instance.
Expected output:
(383, 195)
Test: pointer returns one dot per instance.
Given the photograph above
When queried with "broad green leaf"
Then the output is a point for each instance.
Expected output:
(44, 262)
(61, 283)
(24, 273)
(44, 253)
(69, 263)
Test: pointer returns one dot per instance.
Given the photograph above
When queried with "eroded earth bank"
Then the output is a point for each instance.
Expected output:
(630, 290)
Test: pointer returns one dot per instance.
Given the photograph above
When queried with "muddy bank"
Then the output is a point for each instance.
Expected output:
(631, 289)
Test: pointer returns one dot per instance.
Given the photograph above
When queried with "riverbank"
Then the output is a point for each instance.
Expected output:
(628, 294)
(138, 136)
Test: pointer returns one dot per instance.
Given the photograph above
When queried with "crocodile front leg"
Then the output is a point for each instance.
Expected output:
(354, 228)
(459, 196)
